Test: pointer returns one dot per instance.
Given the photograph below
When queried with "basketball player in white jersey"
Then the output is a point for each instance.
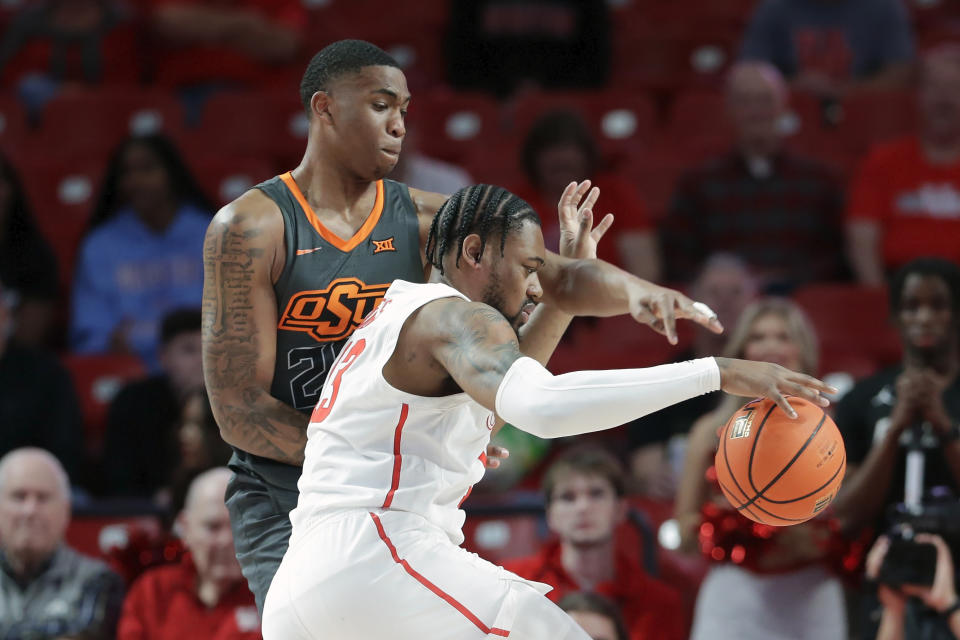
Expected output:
(398, 437)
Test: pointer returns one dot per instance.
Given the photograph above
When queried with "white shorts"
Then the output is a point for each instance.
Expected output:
(391, 574)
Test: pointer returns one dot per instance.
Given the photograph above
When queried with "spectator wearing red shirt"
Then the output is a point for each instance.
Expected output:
(226, 42)
(584, 493)
(559, 150)
(905, 200)
(204, 596)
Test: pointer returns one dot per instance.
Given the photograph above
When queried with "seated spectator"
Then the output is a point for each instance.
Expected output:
(584, 494)
(658, 441)
(27, 263)
(780, 213)
(38, 405)
(47, 590)
(940, 597)
(783, 585)
(500, 46)
(905, 199)
(558, 150)
(204, 595)
(597, 615)
(226, 43)
(828, 47)
(416, 170)
(912, 406)
(52, 42)
(141, 443)
(143, 254)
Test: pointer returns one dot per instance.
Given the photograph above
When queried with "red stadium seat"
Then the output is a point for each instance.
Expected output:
(852, 324)
(270, 124)
(13, 125)
(226, 177)
(621, 121)
(870, 117)
(498, 538)
(453, 125)
(88, 124)
(97, 379)
(95, 536)
(62, 195)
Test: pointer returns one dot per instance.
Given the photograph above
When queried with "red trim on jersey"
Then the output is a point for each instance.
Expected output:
(434, 588)
(397, 459)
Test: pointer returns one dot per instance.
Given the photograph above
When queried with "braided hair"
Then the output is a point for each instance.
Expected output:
(483, 209)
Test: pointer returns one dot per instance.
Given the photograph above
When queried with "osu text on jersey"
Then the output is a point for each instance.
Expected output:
(333, 313)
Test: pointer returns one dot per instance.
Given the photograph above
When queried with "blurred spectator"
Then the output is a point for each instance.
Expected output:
(27, 263)
(780, 213)
(428, 174)
(47, 590)
(141, 446)
(913, 407)
(782, 585)
(829, 46)
(598, 616)
(584, 494)
(916, 403)
(38, 405)
(204, 595)
(658, 441)
(905, 200)
(143, 254)
(52, 42)
(500, 45)
(225, 42)
(558, 150)
(940, 597)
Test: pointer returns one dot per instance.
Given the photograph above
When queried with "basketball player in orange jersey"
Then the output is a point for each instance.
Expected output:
(292, 266)
(397, 439)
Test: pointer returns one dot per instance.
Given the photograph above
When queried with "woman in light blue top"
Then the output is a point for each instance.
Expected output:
(142, 255)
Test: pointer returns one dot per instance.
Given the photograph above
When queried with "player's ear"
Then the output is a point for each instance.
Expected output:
(320, 104)
(471, 250)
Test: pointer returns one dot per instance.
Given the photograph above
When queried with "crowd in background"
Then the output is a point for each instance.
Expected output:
(795, 164)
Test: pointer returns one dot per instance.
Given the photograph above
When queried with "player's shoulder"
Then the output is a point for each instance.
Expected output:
(252, 212)
(427, 202)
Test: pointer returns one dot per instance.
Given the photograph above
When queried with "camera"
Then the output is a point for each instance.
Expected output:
(911, 562)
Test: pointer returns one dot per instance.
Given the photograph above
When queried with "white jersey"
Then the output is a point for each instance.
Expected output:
(372, 446)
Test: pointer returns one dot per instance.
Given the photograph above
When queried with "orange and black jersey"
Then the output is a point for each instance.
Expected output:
(329, 284)
(326, 288)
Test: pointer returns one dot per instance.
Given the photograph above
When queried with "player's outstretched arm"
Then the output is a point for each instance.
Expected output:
(240, 253)
(476, 345)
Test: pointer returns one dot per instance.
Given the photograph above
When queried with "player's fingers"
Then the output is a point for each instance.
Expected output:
(602, 228)
(699, 313)
(775, 395)
(591, 198)
(666, 315)
(644, 315)
(807, 393)
(493, 451)
(812, 383)
(568, 201)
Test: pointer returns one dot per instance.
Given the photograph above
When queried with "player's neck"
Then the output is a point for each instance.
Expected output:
(329, 187)
(590, 564)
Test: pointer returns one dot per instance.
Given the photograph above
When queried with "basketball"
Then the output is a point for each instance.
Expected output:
(776, 470)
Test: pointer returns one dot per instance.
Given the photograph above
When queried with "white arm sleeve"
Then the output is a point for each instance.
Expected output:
(538, 402)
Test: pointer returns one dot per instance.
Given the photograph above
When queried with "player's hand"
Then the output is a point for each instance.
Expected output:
(754, 379)
(942, 594)
(578, 236)
(891, 599)
(659, 308)
(494, 455)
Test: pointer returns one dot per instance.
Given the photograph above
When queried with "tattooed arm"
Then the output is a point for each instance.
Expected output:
(242, 255)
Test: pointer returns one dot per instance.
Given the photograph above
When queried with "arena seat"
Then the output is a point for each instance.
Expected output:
(62, 194)
(97, 379)
(95, 535)
(88, 124)
(226, 177)
(621, 121)
(13, 126)
(452, 125)
(852, 323)
(875, 116)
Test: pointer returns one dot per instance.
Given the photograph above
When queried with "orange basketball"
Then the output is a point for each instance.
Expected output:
(777, 470)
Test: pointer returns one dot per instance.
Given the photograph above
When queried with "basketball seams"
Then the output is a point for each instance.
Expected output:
(760, 493)
(826, 484)
(753, 447)
(726, 460)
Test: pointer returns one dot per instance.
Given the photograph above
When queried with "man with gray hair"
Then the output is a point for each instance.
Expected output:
(204, 595)
(779, 212)
(47, 590)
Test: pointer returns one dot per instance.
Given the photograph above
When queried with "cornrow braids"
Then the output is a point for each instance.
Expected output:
(483, 209)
